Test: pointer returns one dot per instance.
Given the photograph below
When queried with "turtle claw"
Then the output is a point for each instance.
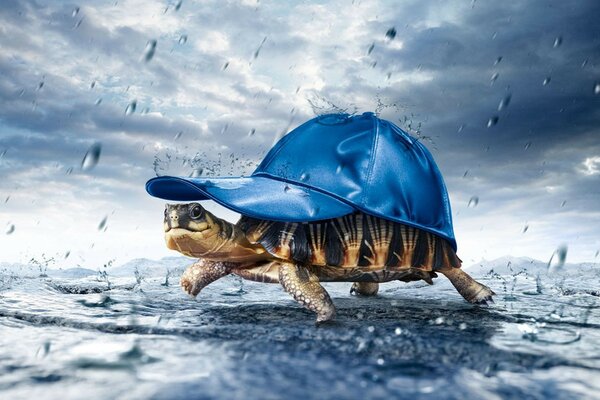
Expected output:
(200, 274)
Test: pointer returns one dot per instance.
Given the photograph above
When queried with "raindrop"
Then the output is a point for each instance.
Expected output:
(92, 84)
(473, 202)
(183, 39)
(492, 121)
(257, 52)
(145, 110)
(371, 47)
(69, 171)
(564, 202)
(90, 160)
(196, 173)
(391, 33)
(40, 85)
(2, 153)
(546, 81)
(557, 42)
(178, 135)
(305, 176)
(466, 173)
(460, 128)
(67, 254)
(527, 145)
(525, 228)
(10, 229)
(339, 169)
(75, 12)
(225, 66)
(102, 223)
(78, 24)
(504, 102)
(130, 109)
(494, 77)
(149, 50)
(561, 256)
(178, 5)
(252, 132)
(497, 61)
(6, 199)
(98, 101)
(597, 88)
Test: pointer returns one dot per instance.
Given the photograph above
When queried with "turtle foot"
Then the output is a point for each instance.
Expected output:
(364, 288)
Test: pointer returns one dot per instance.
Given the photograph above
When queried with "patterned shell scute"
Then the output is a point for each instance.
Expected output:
(354, 240)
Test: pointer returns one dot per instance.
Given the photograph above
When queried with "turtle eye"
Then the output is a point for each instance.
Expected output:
(196, 212)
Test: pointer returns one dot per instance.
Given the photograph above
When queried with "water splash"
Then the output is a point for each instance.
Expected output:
(91, 157)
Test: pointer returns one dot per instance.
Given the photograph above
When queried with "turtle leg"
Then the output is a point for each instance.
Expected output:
(202, 273)
(305, 288)
(364, 288)
(473, 291)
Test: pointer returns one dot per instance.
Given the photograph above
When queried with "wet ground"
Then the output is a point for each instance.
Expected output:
(135, 336)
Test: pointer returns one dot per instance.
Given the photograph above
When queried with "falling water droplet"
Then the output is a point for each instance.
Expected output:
(252, 132)
(473, 202)
(178, 135)
(460, 128)
(527, 145)
(91, 158)
(225, 66)
(183, 39)
(564, 202)
(497, 61)
(466, 173)
(67, 254)
(494, 77)
(371, 47)
(546, 81)
(492, 121)
(98, 101)
(559, 257)
(391, 33)
(257, 52)
(398, 331)
(196, 172)
(69, 171)
(10, 228)
(130, 109)
(178, 5)
(525, 228)
(92, 84)
(557, 42)
(305, 176)
(339, 169)
(40, 85)
(75, 12)
(149, 50)
(504, 102)
(102, 223)
(597, 88)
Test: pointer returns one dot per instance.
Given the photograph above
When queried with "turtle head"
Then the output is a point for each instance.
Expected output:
(195, 232)
(192, 230)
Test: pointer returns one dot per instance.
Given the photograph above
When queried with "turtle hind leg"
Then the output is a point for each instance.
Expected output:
(473, 291)
(305, 288)
(202, 273)
(364, 288)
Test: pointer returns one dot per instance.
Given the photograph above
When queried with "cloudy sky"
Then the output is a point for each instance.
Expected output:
(505, 95)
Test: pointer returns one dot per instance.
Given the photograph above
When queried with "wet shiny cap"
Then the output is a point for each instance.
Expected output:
(331, 166)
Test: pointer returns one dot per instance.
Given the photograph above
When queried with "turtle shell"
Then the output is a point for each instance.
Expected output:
(354, 240)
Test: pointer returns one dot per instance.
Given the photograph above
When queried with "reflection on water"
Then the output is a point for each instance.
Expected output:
(139, 338)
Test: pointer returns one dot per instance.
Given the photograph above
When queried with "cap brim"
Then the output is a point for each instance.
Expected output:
(256, 196)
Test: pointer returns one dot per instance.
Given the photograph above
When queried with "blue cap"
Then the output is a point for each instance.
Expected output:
(328, 167)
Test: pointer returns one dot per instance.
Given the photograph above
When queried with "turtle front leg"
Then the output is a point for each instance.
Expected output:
(202, 273)
(473, 291)
(305, 288)
(364, 288)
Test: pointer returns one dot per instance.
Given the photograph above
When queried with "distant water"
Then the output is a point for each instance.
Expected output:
(69, 336)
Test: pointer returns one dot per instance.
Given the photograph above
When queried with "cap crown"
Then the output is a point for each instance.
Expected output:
(368, 163)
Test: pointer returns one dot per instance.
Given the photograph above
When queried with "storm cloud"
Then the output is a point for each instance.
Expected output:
(506, 97)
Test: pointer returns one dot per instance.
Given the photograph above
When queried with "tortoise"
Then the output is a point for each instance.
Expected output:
(356, 247)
